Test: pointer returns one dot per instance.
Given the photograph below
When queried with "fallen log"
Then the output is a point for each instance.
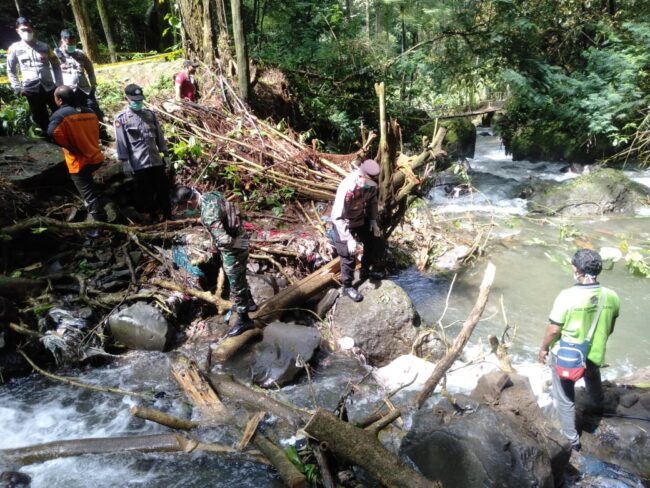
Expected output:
(201, 394)
(459, 343)
(228, 388)
(362, 447)
(230, 345)
(163, 418)
(104, 445)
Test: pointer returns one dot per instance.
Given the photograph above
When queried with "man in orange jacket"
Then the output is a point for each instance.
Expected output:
(76, 130)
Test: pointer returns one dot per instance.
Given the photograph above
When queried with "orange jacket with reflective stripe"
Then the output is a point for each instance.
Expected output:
(76, 130)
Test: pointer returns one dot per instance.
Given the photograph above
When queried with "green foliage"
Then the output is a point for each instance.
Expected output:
(309, 470)
(638, 264)
(15, 116)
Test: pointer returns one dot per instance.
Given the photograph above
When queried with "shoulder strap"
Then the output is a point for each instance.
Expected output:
(592, 329)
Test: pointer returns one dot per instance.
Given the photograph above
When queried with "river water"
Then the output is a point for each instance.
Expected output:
(531, 259)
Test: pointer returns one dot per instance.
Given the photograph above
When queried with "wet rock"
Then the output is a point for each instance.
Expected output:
(506, 444)
(594, 473)
(15, 479)
(619, 432)
(262, 287)
(384, 325)
(600, 192)
(451, 260)
(278, 358)
(141, 326)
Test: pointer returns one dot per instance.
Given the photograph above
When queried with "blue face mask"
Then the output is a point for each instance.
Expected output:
(136, 105)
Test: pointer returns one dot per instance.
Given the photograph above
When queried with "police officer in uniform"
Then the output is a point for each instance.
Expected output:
(222, 219)
(140, 142)
(79, 74)
(40, 72)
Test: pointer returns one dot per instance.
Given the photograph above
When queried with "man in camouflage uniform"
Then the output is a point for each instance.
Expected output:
(40, 72)
(222, 219)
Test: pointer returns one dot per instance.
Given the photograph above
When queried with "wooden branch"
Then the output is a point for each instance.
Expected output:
(68, 381)
(221, 304)
(250, 430)
(459, 343)
(226, 387)
(163, 418)
(103, 445)
(24, 330)
(39, 222)
(362, 447)
(229, 346)
(386, 420)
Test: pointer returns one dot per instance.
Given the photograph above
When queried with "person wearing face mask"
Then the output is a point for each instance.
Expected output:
(76, 130)
(354, 218)
(585, 309)
(40, 72)
(140, 142)
(185, 86)
(79, 73)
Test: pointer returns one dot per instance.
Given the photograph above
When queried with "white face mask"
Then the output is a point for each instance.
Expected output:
(26, 36)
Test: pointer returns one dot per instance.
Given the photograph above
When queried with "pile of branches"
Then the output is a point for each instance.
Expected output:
(232, 137)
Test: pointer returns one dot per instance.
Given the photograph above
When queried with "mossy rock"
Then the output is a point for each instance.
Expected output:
(603, 191)
(460, 140)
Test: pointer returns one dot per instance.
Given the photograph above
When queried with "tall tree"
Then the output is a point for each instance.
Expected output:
(197, 29)
(106, 25)
(241, 50)
(85, 30)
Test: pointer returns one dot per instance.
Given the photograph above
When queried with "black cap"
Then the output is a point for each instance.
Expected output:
(67, 34)
(134, 92)
(23, 21)
(188, 63)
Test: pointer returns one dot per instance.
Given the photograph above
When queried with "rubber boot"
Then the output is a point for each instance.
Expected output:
(242, 324)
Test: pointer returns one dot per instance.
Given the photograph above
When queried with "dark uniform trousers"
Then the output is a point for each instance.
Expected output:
(39, 101)
(373, 249)
(152, 191)
(86, 187)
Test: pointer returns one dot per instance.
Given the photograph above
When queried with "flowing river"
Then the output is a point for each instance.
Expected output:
(531, 257)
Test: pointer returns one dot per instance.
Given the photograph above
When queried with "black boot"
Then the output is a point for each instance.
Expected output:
(352, 293)
(242, 324)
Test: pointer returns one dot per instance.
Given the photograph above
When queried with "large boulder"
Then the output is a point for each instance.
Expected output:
(283, 351)
(141, 326)
(600, 192)
(505, 443)
(30, 162)
(384, 325)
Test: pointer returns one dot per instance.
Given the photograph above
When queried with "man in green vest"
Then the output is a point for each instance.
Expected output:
(574, 311)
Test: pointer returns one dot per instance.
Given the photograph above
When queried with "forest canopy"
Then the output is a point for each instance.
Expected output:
(574, 72)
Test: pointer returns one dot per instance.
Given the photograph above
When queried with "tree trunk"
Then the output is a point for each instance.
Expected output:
(85, 32)
(459, 343)
(361, 446)
(367, 6)
(197, 30)
(106, 25)
(241, 50)
(104, 445)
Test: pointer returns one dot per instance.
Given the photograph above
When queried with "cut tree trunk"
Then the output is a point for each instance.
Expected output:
(361, 446)
(459, 343)
(163, 418)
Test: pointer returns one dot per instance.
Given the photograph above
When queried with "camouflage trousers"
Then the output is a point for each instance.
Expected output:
(234, 265)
